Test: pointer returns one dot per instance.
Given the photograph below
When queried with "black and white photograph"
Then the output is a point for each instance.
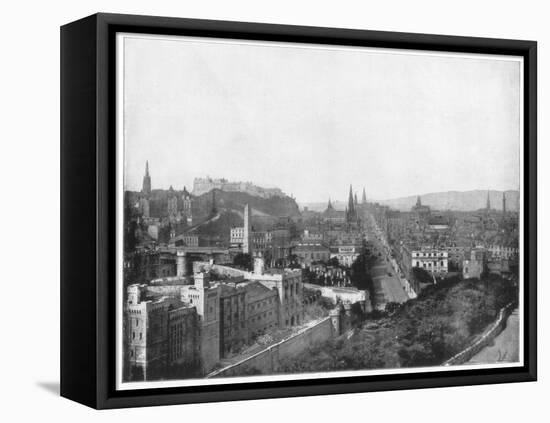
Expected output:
(306, 211)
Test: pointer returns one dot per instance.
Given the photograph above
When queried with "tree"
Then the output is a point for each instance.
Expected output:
(334, 262)
(243, 260)
(422, 275)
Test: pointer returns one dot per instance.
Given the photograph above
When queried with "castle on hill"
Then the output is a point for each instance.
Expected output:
(204, 185)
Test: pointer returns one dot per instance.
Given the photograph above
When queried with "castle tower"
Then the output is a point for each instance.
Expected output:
(146, 188)
(247, 244)
(364, 199)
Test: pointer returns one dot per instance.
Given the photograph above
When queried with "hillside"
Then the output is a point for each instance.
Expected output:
(457, 200)
(442, 321)
(230, 211)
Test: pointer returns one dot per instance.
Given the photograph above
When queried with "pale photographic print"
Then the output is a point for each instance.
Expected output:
(292, 211)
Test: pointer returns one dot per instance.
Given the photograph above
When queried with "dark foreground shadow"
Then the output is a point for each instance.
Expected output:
(51, 387)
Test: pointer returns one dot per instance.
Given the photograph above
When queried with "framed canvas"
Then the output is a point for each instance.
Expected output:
(256, 211)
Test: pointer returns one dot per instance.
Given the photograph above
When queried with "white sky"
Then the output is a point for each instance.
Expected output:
(313, 120)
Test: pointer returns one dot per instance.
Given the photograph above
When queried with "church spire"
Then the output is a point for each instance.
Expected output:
(350, 200)
(146, 187)
(418, 202)
(329, 206)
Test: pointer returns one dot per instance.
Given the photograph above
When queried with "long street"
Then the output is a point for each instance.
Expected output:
(387, 286)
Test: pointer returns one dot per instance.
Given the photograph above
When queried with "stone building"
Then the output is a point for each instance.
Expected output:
(206, 299)
(233, 319)
(476, 265)
(434, 260)
(150, 264)
(346, 253)
(262, 309)
(160, 332)
(289, 287)
(309, 252)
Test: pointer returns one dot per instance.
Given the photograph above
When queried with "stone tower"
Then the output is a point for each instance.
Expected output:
(172, 203)
(503, 203)
(488, 206)
(146, 188)
(186, 210)
(247, 240)
(364, 199)
(206, 299)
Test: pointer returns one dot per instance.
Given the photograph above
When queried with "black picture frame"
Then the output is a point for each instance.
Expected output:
(88, 210)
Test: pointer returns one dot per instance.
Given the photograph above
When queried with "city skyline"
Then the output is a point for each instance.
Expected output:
(334, 198)
(201, 112)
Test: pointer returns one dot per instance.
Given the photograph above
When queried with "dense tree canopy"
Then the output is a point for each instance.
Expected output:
(426, 331)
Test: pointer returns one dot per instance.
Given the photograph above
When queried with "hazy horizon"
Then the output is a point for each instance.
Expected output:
(311, 120)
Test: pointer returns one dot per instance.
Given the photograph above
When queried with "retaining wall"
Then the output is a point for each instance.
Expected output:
(267, 360)
(488, 337)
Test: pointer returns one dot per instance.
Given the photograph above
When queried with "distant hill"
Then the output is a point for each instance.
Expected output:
(458, 200)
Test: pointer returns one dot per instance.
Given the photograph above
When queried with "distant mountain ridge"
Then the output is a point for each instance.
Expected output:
(458, 200)
(449, 200)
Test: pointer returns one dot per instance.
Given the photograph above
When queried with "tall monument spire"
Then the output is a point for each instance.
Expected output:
(364, 199)
(488, 201)
(146, 187)
(503, 202)
(214, 208)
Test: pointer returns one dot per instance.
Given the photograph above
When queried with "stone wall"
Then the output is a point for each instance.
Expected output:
(267, 360)
(490, 333)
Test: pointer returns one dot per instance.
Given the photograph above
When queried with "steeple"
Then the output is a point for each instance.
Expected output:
(350, 201)
(364, 199)
(351, 214)
(355, 200)
(418, 202)
(329, 206)
(146, 187)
